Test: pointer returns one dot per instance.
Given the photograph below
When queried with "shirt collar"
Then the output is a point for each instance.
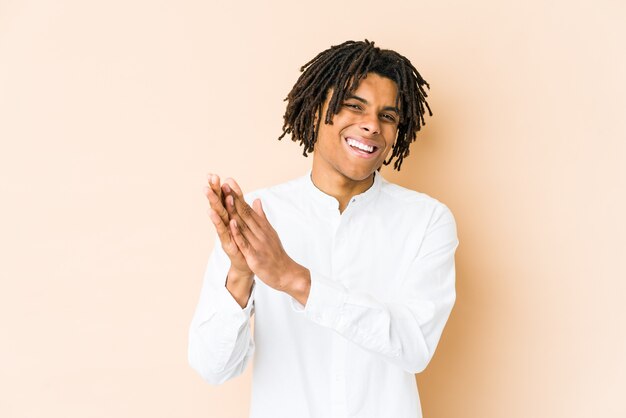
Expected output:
(329, 201)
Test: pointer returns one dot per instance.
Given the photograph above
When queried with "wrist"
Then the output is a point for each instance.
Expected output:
(239, 284)
(297, 283)
(236, 276)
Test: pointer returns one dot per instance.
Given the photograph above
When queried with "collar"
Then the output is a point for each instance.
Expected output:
(330, 202)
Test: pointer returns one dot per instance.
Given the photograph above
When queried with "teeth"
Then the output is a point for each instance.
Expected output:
(359, 145)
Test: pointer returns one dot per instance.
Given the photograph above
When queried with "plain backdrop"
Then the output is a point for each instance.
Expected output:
(112, 113)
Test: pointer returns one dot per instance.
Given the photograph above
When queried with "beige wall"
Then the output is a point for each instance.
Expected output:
(111, 114)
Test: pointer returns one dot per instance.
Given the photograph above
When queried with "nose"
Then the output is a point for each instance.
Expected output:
(370, 123)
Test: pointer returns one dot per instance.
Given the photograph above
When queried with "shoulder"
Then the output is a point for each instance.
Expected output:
(413, 202)
(283, 191)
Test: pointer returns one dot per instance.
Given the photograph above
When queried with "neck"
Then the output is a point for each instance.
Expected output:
(339, 186)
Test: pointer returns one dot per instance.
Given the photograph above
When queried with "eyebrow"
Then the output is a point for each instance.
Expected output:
(362, 100)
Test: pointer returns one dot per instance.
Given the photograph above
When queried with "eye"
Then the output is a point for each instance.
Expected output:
(389, 117)
(352, 106)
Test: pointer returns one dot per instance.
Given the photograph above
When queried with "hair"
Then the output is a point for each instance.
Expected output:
(341, 68)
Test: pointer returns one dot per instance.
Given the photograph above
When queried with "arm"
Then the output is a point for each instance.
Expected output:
(406, 330)
(220, 343)
(220, 339)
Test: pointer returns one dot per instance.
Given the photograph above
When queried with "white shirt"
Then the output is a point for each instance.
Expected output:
(382, 288)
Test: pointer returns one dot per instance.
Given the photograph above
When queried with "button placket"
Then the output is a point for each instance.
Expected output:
(339, 257)
(334, 223)
(339, 407)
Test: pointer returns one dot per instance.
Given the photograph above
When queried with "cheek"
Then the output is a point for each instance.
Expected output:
(385, 155)
(324, 142)
(390, 138)
(328, 134)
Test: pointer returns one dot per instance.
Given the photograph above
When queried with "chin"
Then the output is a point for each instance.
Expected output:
(356, 174)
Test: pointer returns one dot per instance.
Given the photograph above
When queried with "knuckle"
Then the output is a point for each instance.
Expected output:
(244, 207)
(247, 211)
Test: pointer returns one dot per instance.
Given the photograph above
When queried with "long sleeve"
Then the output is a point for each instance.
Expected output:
(220, 339)
(406, 330)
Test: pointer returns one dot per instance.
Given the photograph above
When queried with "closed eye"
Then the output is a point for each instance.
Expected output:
(352, 106)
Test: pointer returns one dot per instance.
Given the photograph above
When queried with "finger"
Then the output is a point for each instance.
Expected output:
(246, 214)
(237, 207)
(229, 202)
(233, 185)
(245, 231)
(240, 240)
(224, 234)
(220, 227)
(214, 182)
(216, 204)
(258, 208)
(228, 190)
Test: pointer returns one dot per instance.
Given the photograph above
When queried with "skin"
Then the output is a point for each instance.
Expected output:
(247, 237)
(336, 170)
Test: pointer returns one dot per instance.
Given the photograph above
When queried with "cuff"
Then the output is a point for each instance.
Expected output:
(222, 303)
(325, 302)
(226, 301)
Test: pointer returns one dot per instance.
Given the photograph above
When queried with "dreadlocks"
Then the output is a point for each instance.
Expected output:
(341, 68)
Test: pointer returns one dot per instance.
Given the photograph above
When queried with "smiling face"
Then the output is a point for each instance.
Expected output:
(362, 133)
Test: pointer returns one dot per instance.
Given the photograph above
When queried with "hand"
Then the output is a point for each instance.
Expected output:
(220, 218)
(259, 243)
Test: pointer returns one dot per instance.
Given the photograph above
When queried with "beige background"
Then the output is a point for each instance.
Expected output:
(111, 114)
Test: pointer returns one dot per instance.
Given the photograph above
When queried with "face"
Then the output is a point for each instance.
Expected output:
(362, 133)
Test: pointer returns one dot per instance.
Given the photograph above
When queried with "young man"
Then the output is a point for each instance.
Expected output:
(351, 278)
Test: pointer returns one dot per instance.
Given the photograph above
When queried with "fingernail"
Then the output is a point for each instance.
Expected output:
(226, 187)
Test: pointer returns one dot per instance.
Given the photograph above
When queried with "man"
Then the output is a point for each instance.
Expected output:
(351, 278)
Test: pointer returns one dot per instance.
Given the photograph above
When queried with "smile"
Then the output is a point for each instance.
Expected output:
(360, 148)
